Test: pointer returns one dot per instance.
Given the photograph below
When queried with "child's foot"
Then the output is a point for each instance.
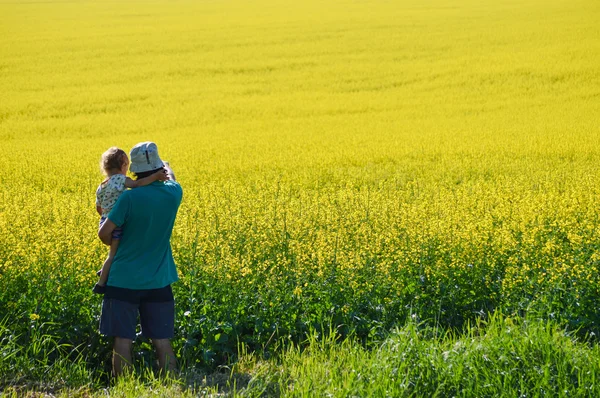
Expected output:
(99, 289)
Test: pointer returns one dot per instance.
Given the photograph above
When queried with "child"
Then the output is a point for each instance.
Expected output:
(114, 164)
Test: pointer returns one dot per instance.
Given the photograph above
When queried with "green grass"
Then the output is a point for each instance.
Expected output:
(500, 357)
(497, 357)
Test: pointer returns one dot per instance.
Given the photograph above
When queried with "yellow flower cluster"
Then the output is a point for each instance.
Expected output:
(358, 157)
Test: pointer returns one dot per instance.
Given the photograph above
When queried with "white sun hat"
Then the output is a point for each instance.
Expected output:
(144, 157)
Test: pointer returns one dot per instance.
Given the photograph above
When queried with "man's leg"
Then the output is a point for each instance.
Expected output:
(118, 320)
(121, 355)
(167, 362)
(157, 318)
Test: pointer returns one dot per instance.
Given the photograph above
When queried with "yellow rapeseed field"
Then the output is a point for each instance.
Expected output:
(348, 161)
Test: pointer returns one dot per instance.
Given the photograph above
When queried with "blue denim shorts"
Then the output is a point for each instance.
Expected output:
(117, 233)
(121, 307)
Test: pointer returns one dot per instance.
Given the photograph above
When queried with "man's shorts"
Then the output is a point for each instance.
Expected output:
(120, 309)
(117, 232)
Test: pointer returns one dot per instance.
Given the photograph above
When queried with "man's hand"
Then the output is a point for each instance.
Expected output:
(105, 232)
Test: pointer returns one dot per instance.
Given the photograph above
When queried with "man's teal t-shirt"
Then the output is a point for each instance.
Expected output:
(144, 259)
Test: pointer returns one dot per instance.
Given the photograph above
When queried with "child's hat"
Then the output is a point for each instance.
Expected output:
(144, 157)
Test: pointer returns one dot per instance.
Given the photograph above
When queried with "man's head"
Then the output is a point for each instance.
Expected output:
(144, 159)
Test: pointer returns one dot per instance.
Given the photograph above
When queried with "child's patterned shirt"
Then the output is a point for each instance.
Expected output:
(109, 191)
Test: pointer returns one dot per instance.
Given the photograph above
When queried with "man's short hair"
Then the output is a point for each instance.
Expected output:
(145, 174)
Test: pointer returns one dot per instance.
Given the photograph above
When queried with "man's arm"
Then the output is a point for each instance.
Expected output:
(158, 176)
(99, 210)
(169, 171)
(105, 232)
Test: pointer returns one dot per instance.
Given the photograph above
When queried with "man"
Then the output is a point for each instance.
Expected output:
(139, 281)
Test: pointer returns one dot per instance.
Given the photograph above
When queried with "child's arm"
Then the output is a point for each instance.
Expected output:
(98, 207)
(158, 176)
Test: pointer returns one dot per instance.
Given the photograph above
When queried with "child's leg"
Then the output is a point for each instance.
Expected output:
(114, 245)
